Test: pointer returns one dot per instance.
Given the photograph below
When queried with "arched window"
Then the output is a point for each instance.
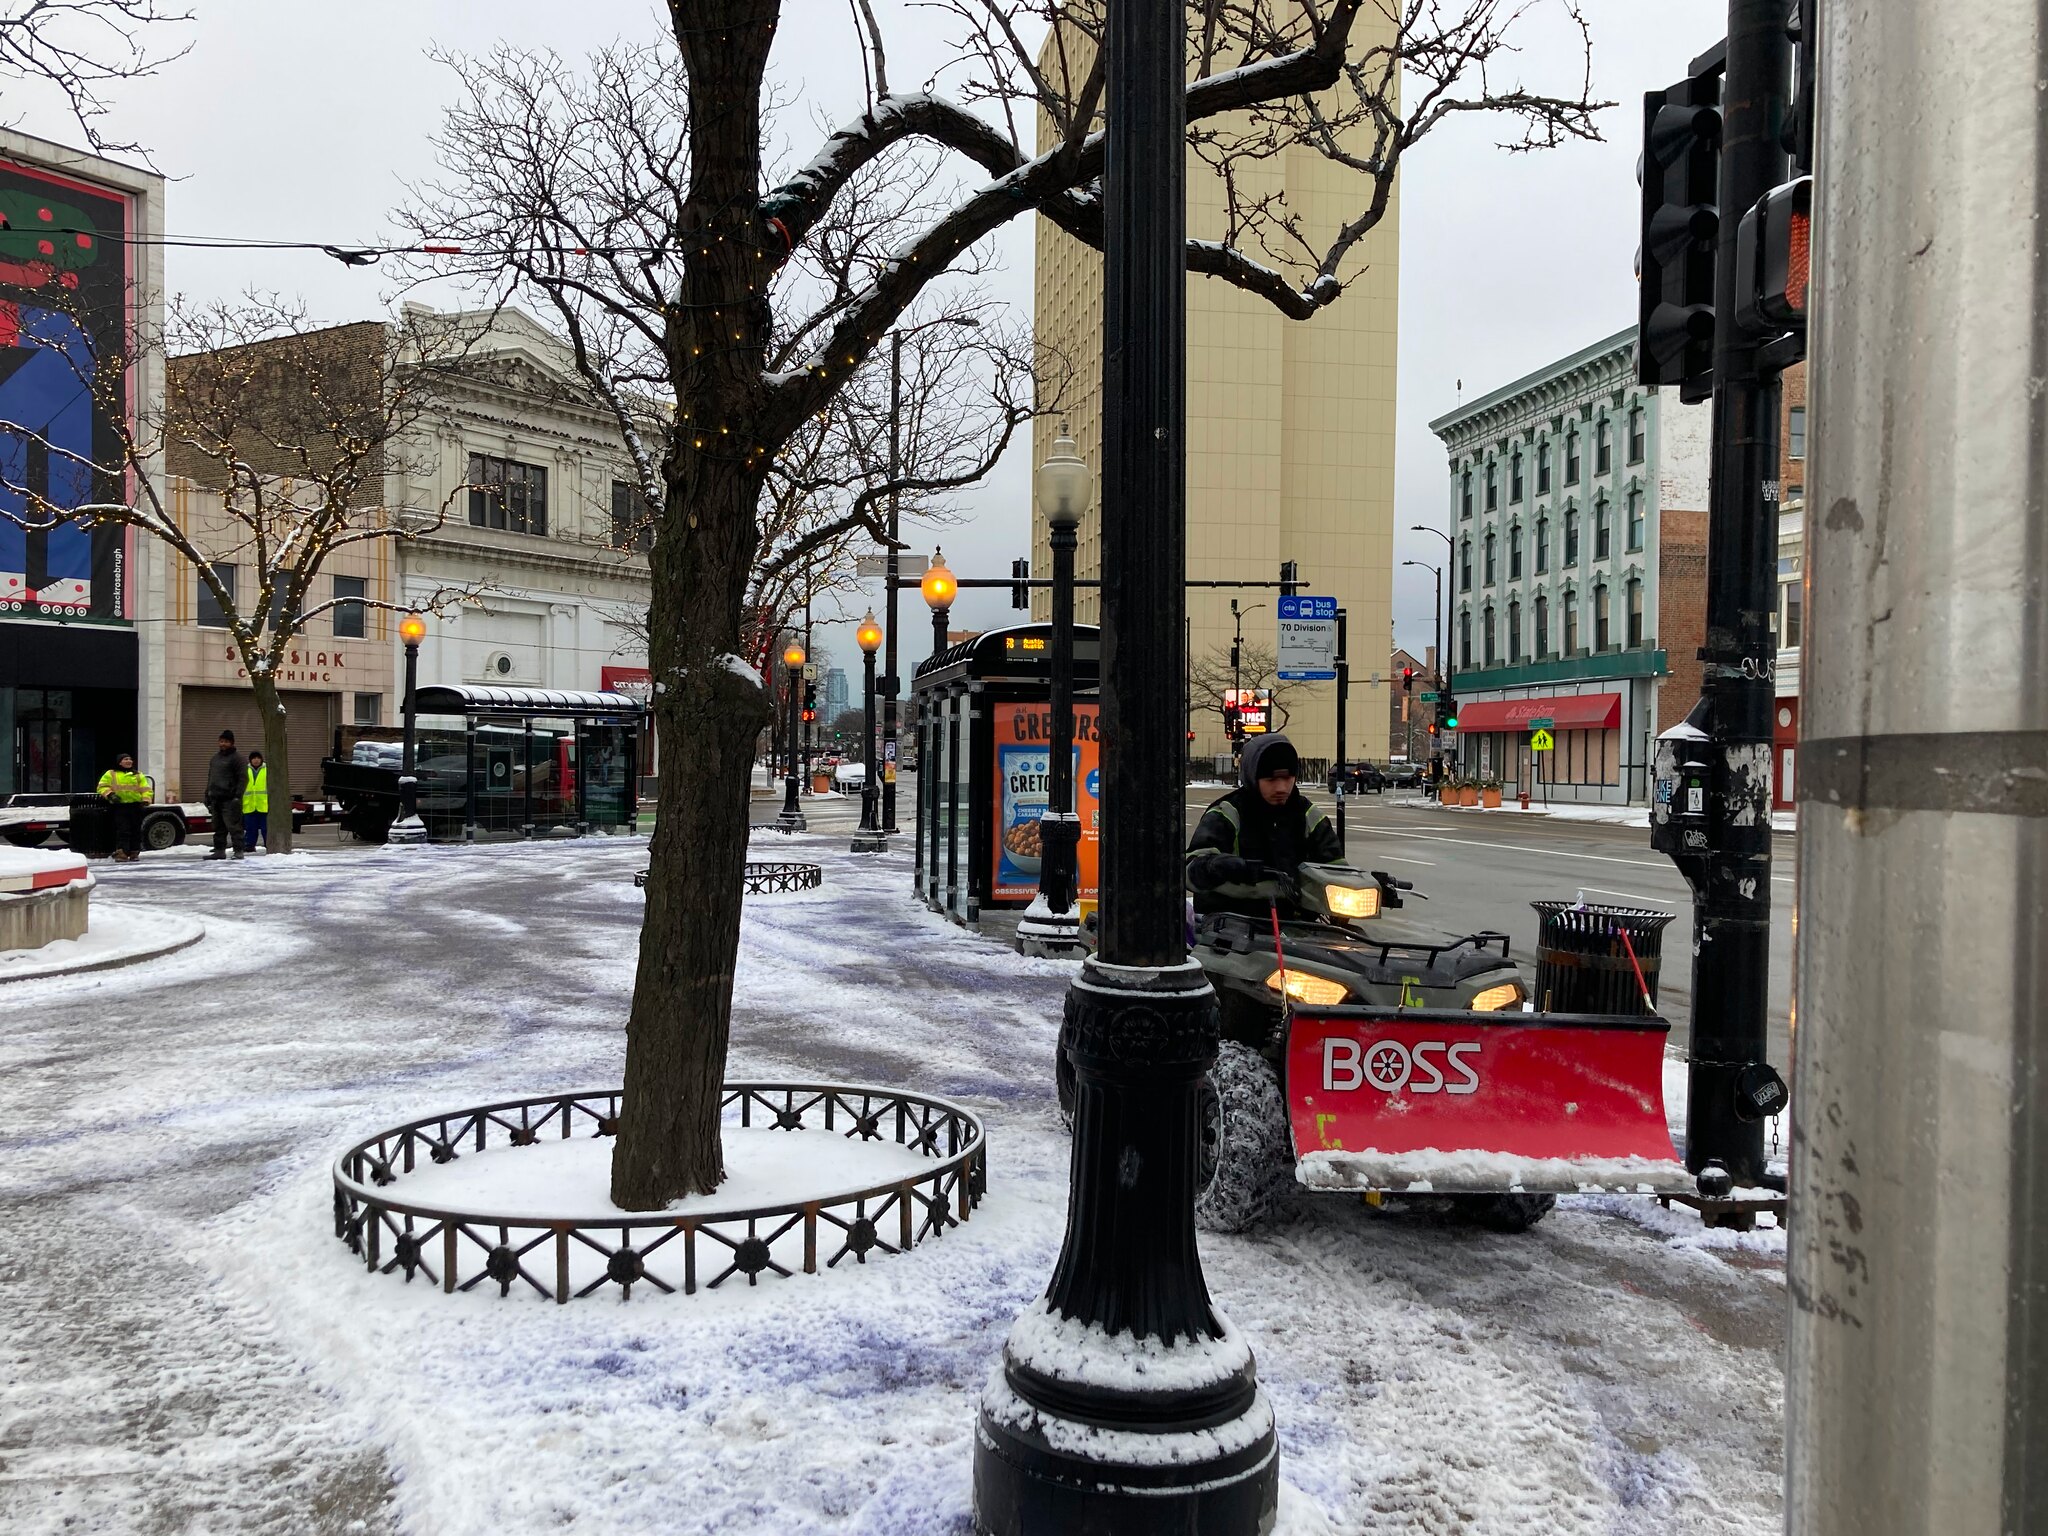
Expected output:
(1602, 632)
(1492, 486)
(1543, 467)
(1635, 434)
(1603, 535)
(1515, 553)
(1542, 545)
(1515, 476)
(1571, 622)
(1490, 571)
(1465, 638)
(1571, 537)
(1486, 629)
(1571, 454)
(1465, 495)
(1635, 613)
(1514, 630)
(1542, 628)
(1635, 519)
(1465, 564)
(1603, 447)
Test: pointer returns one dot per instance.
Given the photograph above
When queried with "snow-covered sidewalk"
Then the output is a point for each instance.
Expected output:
(187, 1347)
(1606, 815)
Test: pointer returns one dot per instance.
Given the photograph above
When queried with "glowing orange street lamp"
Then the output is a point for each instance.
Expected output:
(412, 629)
(939, 587)
(792, 813)
(869, 838)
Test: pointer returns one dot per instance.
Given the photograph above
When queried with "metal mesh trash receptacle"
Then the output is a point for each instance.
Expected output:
(90, 830)
(1582, 965)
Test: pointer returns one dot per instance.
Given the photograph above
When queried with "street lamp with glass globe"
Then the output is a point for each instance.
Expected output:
(939, 587)
(412, 629)
(870, 838)
(792, 815)
(1050, 926)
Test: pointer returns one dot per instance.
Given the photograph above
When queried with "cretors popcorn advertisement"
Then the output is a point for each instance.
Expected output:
(1022, 781)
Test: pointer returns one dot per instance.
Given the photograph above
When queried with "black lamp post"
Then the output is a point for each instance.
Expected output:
(1049, 926)
(412, 629)
(792, 813)
(870, 838)
(1438, 572)
(1070, 1438)
(938, 588)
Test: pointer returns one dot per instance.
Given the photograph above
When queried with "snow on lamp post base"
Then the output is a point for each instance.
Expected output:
(1050, 925)
(1124, 1400)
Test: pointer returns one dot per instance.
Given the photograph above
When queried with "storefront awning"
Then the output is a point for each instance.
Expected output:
(1566, 712)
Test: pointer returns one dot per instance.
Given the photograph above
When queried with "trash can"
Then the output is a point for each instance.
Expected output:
(1583, 964)
(91, 828)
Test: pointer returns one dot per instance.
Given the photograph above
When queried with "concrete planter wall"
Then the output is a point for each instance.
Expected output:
(35, 918)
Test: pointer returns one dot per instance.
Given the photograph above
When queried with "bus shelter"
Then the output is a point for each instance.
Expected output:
(984, 727)
(500, 762)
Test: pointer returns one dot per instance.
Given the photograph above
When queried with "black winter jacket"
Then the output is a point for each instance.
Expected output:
(1242, 827)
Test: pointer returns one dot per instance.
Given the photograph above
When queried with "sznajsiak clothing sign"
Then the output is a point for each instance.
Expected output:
(1308, 640)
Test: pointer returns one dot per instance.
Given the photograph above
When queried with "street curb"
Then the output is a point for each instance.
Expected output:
(112, 962)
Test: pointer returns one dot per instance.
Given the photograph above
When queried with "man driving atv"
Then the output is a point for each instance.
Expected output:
(1249, 843)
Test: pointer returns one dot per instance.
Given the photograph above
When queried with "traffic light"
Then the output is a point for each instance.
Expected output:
(1447, 712)
(1020, 592)
(1680, 171)
(809, 715)
(1407, 679)
(1290, 577)
(1771, 251)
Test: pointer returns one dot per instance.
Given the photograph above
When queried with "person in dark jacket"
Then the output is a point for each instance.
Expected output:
(1266, 823)
(227, 776)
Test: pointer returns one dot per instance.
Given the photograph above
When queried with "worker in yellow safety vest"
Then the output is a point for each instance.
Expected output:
(256, 804)
(129, 791)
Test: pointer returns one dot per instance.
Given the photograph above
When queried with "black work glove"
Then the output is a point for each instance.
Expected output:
(1286, 879)
(1227, 869)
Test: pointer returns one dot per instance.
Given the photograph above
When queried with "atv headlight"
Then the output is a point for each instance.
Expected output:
(1349, 901)
(1494, 999)
(1304, 988)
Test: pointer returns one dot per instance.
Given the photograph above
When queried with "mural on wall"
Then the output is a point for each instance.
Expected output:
(63, 317)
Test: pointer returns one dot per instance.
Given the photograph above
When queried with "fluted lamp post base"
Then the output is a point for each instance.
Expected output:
(1125, 1405)
(1051, 925)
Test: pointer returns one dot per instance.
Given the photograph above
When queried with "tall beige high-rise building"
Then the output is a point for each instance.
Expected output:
(1290, 441)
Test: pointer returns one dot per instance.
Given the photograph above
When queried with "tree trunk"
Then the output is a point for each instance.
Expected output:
(277, 761)
(709, 713)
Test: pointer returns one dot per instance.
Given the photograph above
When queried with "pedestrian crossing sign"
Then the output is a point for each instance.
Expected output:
(1541, 741)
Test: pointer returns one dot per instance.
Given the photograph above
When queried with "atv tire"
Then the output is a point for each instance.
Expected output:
(1245, 1150)
(1504, 1213)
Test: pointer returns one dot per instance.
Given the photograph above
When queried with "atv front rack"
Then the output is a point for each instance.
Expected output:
(1239, 934)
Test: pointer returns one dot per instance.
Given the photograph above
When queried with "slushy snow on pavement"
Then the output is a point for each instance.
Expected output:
(184, 1347)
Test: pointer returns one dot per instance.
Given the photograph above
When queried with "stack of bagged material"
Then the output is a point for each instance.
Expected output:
(379, 754)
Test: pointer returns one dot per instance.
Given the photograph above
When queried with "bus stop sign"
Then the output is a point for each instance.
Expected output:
(1307, 650)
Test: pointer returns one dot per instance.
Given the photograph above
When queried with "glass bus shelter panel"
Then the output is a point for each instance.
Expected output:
(605, 759)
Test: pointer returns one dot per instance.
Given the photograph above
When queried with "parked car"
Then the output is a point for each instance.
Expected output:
(850, 776)
(1404, 775)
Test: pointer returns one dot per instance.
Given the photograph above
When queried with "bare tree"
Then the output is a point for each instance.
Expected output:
(83, 46)
(643, 222)
(1212, 677)
(288, 431)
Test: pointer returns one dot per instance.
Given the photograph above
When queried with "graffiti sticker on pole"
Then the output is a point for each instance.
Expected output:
(1307, 650)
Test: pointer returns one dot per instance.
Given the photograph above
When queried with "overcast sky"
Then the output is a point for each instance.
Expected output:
(296, 121)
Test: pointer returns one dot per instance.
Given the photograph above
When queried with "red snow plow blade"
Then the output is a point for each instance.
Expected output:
(1414, 1101)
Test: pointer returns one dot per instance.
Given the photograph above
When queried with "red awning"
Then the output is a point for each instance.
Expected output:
(1567, 712)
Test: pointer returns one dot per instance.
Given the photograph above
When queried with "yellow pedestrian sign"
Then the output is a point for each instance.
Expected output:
(1541, 741)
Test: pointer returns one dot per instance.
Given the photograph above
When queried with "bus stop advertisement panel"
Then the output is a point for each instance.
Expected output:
(985, 712)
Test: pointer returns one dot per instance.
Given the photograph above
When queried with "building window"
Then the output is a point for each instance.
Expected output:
(1571, 454)
(1795, 432)
(1486, 631)
(1635, 614)
(1542, 628)
(1465, 494)
(1635, 434)
(1514, 631)
(1635, 519)
(1465, 638)
(1492, 486)
(1571, 537)
(1542, 545)
(1603, 449)
(1465, 565)
(1601, 632)
(1515, 553)
(631, 527)
(211, 614)
(504, 493)
(1603, 537)
(1791, 602)
(1543, 468)
(1571, 622)
(1515, 476)
(369, 708)
(351, 617)
(1491, 573)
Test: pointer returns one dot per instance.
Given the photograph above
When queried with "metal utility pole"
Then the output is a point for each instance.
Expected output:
(1343, 696)
(892, 683)
(1917, 1383)
(1190, 1448)
(1717, 765)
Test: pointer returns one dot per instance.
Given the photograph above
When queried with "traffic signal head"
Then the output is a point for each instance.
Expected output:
(1020, 593)
(1681, 223)
(1407, 679)
(1771, 257)
(1290, 577)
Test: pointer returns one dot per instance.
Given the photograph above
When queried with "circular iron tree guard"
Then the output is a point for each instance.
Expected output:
(762, 878)
(561, 1257)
